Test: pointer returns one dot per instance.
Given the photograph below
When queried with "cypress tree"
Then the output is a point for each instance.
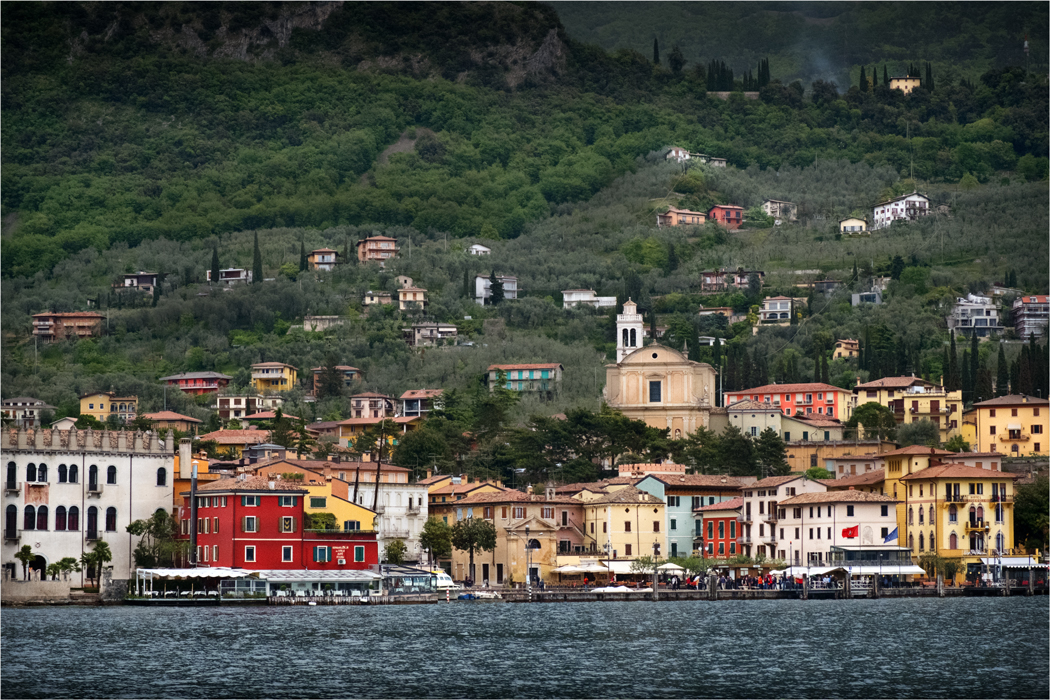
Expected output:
(215, 265)
(302, 256)
(954, 380)
(346, 250)
(1015, 375)
(863, 80)
(874, 77)
(967, 383)
(825, 372)
(975, 360)
(902, 358)
(1024, 375)
(672, 258)
(983, 388)
(495, 290)
(656, 51)
(466, 284)
(1002, 373)
(885, 76)
(257, 270)
(945, 379)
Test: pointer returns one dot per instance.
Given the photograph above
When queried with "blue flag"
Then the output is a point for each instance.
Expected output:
(891, 536)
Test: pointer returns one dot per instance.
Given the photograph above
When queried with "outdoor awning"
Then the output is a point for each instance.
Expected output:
(567, 569)
(593, 568)
(619, 567)
(670, 566)
(200, 572)
(887, 570)
(1014, 562)
(1013, 426)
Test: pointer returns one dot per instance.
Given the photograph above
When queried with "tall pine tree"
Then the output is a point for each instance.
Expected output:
(302, 255)
(215, 265)
(656, 51)
(257, 269)
(863, 80)
(1024, 376)
(1002, 373)
(967, 382)
(975, 361)
(954, 379)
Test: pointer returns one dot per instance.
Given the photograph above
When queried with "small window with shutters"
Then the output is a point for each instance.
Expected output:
(656, 526)
(503, 512)
(249, 523)
(488, 513)
(627, 526)
(287, 523)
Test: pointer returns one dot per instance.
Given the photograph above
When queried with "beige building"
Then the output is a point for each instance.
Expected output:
(905, 83)
(1014, 425)
(913, 399)
(656, 384)
(853, 226)
(412, 298)
(846, 348)
(104, 404)
(377, 249)
(628, 522)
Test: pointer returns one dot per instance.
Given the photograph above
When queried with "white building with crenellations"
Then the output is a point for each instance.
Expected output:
(66, 490)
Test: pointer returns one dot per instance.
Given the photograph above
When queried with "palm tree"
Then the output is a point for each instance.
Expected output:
(95, 560)
(26, 556)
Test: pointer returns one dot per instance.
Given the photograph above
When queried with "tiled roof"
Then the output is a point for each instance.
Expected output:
(550, 365)
(810, 387)
(816, 421)
(1037, 299)
(513, 496)
(318, 465)
(958, 471)
(752, 405)
(339, 367)
(376, 238)
(237, 437)
(371, 395)
(25, 401)
(893, 383)
(837, 497)
(917, 450)
(323, 425)
(731, 504)
(421, 393)
(323, 250)
(1012, 400)
(170, 415)
(195, 375)
(71, 314)
(434, 479)
(627, 495)
(251, 483)
(461, 488)
(865, 479)
(271, 364)
(268, 415)
(597, 485)
(713, 481)
(773, 481)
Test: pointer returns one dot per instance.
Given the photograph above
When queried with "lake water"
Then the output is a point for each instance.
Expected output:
(959, 647)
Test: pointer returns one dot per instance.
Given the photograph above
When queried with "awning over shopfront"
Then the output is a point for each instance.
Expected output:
(1014, 562)
(199, 572)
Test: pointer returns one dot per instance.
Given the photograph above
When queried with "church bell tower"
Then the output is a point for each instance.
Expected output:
(628, 330)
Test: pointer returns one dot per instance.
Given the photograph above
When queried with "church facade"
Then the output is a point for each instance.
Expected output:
(657, 384)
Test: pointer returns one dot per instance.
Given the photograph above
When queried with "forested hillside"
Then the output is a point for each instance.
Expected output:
(128, 122)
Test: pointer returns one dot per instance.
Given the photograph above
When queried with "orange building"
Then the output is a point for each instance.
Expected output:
(377, 249)
(52, 327)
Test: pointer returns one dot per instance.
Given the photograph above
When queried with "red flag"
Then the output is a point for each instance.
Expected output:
(850, 532)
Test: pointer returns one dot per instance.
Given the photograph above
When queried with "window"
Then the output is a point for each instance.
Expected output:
(111, 474)
(206, 552)
(41, 517)
(519, 512)
(656, 526)
(654, 392)
(810, 533)
(487, 510)
(359, 554)
(322, 554)
(1013, 412)
(991, 430)
(74, 473)
(215, 525)
(111, 519)
(73, 522)
(30, 472)
(249, 553)
(627, 550)
(674, 524)
(627, 526)
(215, 552)
(41, 473)
(286, 553)
(162, 477)
(605, 527)
(60, 518)
(884, 511)
(548, 513)
(1036, 430)
(250, 524)
(503, 510)
(287, 523)
(249, 500)
(674, 501)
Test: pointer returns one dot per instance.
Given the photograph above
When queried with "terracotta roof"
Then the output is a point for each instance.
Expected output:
(411, 289)
(71, 314)
(323, 425)
(1012, 400)
(461, 488)
(702, 480)
(196, 375)
(514, 496)
(770, 481)
(251, 483)
(170, 415)
(549, 365)
(376, 238)
(980, 454)
(339, 367)
(752, 405)
(421, 393)
(323, 250)
(237, 437)
(271, 364)
(958, 471)
(1037, 299)
(731, 504)
(26, 401)
(817, 421)
(268, 415)
(893, 383)
(837, 497)
(628, 494)
(372, 421)
(597, 485)
(371, 395)
(318, 466)
(810, 387)
(435, 478)
(866, 455)
(917, 450)
(865, 479)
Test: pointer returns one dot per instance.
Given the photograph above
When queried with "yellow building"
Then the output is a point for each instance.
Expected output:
(905, 84)
(846, 349)
(352, 428)
(656, 384)
(959, 512)
(104, 404)
(412, 298)
(234, 442)
(852, 225)
(549, 524)
(627, 521)
(348, 515)
(913, 399)
(805, 454)
(445, 490)
(1014, 425)
(273, 376)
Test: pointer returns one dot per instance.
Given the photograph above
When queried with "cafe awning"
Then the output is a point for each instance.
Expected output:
(199, 572)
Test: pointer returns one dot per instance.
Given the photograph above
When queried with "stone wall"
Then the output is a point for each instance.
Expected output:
(35, 589)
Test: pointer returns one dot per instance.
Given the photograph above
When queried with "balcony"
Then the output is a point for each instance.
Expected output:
(92, 535)
(94, 489)
(380, 510)
(954, 498)
(744, 518)
(979, 525)
(1014, 436)
(770, 518)
(745, 539)
(12, 488)
(12, 535)
(413, 510)
(1001, 498)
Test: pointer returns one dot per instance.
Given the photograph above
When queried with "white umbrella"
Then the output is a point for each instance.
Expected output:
(670, 566)
(593, 568)
(568, 569)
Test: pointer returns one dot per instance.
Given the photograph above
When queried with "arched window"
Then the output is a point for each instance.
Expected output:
(41, 472)
(62, 473)
(93, 478)
(953, 515)
(162, 477)
(111, 475)
(73, 522)
(911, 542)
(980, 512)
(911, 515)
(624, 337)
(30, 472)
(29, 521)
(111, 519)
(922, 513)
(922, 545)
(74, 474)
(12, 475)
(1000, 542)
(41, 518)
(634, 339)
(92, 523)
(931, 515)
(953, 541)
(60, 518)
(11, 521)
(973, 515)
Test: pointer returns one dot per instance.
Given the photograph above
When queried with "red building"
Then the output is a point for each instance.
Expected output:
(728, 215)
(198, 383)
(720, 528)
(251, 522)
(798, 399)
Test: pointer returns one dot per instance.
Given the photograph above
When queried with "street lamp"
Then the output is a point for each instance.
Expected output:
(528, 563)
(656, 570)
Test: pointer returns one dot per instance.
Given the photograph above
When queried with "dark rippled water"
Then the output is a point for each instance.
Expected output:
(964, 648)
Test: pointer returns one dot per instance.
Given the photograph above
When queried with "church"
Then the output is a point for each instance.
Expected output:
(657, 384)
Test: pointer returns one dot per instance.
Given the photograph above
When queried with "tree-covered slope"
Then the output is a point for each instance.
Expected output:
(127, 122)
